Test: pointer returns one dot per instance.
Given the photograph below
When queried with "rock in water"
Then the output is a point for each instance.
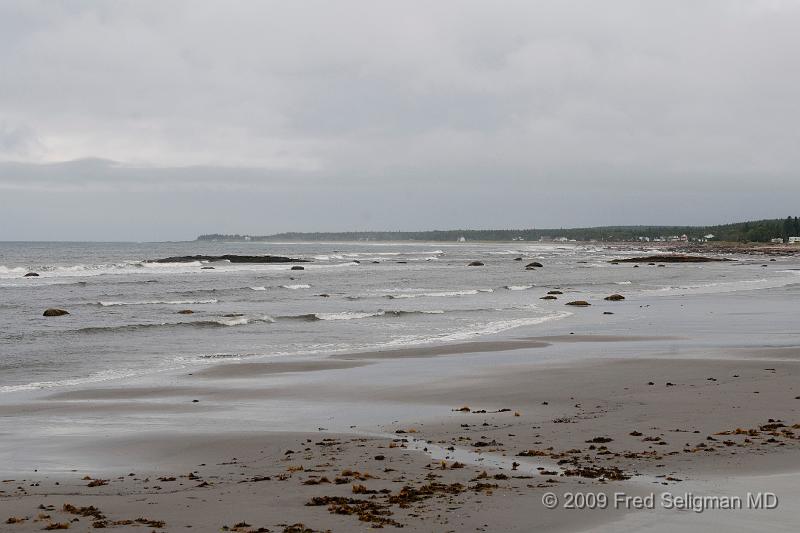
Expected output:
(554, 292)
(614, 298)
(535, 264)
(185, 312)
(298, 267)
(54, 312)
(31, 275)
(579, 303)
(548, 297)
(475, 264)
(230, 258)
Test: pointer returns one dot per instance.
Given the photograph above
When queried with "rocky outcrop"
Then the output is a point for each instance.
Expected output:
(230, 258)
(475, 264)
(579, 303)
(674, 258)
(614, 298)
(31, 275)
(54, 312)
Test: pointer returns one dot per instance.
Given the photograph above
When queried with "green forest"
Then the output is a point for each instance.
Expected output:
(751, 231)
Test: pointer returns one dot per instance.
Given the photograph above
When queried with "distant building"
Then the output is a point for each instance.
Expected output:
(709, 236)
(794, 240)
(462, 239)
(684, 238)
(777, 241)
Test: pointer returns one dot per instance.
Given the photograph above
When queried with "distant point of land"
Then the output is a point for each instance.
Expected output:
(774, 231)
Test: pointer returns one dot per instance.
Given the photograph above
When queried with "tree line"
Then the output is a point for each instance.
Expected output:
(750, 231)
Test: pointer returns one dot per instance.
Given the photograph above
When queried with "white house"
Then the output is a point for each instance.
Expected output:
(794, 240)
(777, 240)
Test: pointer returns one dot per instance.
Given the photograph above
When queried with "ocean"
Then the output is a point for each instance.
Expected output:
(124, 319)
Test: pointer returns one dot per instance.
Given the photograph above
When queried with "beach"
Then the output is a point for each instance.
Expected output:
(691, 390)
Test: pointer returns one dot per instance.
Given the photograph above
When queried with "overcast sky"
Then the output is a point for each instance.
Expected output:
(159, 120)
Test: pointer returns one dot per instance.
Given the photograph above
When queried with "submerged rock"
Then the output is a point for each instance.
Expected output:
(207, 268)
(31, 275)
(298, 267)
(554, 292)
(230, 258)
(475, 264)
(614, 298)
(548, 297)
(185, 312)
(579, 303)
(54, 312)
(535, 264)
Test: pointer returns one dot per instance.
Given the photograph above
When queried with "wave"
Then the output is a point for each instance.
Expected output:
(442, 294)
(161, 302)
(258, 288)
(725, 286)
(518, 287)
(622, 283)
(219, 322)
(296, 286)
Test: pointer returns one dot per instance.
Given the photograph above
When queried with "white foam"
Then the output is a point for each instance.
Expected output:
(161, 302)
(296, 286)
(347, 315)
(241, 320)
(518, 287)
(258, 288)
(442, 294)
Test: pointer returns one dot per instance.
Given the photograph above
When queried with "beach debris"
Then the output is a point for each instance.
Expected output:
(15, 520)
(614, 298)
(90, 511)
(464, 409)
(610, 473)
(578, 303)
(97, 483)
(55, 312)
(600, 440)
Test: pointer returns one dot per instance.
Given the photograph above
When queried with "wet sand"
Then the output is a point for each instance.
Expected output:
(468, 412)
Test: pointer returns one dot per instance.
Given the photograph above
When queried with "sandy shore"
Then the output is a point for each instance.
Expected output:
(485, 430)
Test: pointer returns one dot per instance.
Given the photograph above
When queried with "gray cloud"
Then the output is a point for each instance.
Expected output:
(371, 115)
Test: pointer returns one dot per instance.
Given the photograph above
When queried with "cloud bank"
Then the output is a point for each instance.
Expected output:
(270, 116)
